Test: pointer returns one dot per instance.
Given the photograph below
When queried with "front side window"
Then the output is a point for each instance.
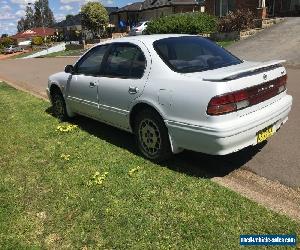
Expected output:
(125, 61)
(188, 54)
(91, 62)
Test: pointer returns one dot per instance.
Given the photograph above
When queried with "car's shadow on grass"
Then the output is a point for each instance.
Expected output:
(187, 162)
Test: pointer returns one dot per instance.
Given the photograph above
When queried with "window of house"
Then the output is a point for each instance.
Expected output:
(222, 7)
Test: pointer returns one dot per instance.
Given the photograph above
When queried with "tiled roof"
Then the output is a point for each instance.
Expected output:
(35, 32)
(131, 7)
(76, 19)
(70, 21)
(149, 4)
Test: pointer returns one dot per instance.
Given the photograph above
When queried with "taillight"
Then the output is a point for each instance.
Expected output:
(244, 98)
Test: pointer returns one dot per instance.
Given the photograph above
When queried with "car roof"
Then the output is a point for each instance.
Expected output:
(146, 39)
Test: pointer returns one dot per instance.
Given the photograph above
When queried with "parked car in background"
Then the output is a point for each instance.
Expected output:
(139, 29)
(12, 49)
(175, 92)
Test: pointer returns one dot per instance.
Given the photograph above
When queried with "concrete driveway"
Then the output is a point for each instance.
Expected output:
(280, 158)
(281, 41)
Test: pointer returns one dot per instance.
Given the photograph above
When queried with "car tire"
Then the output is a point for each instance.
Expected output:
(59, 106)
(152, 136)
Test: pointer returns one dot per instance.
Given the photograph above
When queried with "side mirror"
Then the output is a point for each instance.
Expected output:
(69, 69)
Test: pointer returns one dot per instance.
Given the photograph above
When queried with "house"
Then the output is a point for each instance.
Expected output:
(70, 29)
(128, 15)
(157, 8)
(34, 32)
(274, 7)
(150, 9)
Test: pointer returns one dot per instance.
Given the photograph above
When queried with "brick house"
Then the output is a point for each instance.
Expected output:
(151, 9)
(34, 32)
(71, 28)
(126, 16)
(274, 7)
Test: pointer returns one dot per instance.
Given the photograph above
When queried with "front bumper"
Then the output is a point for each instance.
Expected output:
(241, 134)
(48, 93)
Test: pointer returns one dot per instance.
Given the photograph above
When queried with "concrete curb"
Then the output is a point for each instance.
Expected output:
(270, 194)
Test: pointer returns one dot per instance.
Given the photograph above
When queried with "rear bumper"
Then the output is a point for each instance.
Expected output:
(241, 133)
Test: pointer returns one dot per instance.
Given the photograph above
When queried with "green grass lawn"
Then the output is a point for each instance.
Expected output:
(225, 43)
(86, 189)
(77, 52)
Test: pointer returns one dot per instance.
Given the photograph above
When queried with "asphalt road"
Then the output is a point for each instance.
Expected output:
(278, 160)
(32, 74)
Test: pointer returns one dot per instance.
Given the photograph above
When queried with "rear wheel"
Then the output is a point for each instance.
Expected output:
(152, 136)
(59, 106)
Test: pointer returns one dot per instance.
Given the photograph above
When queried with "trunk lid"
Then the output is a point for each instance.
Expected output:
(247, 75)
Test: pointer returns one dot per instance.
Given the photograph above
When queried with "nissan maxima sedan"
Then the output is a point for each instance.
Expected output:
(175, 92)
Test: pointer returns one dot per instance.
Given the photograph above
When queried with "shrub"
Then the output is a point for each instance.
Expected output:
(237, 21)
(73, 46)
(187, 23)
(1, 48)
(37, 40)
(6, 41)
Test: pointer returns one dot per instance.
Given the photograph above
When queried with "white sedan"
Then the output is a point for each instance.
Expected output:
(175, 92)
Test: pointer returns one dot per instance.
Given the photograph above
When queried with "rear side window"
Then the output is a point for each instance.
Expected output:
(125, 61)
(189, 54)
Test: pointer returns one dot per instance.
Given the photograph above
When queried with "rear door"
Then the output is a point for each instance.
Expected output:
(124, 75)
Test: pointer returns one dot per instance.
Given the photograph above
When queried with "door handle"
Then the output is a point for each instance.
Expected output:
(92, 84)
(133, 90)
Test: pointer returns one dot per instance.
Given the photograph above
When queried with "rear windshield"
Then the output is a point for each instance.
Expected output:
(190, 54)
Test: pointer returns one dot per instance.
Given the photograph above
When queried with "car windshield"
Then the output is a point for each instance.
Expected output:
(190, 54)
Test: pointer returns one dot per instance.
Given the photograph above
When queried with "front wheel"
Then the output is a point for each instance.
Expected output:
(152, 136)
(59, 107)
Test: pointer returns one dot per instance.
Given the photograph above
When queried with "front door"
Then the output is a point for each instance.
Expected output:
(124, 76)
(83, 85)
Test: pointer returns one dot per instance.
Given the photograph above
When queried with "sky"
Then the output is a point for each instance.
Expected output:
(12, 10)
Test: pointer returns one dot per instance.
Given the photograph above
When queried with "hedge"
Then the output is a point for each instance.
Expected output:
(187, 23)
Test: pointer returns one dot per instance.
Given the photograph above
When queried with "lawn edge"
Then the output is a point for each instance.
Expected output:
(270, 194)
(18, 87)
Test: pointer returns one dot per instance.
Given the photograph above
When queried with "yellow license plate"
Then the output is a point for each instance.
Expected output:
(264, 134)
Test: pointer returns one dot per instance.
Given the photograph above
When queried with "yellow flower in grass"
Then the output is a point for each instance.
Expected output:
(66, 128)
(134, 170)
(97, 179)
(65, 157)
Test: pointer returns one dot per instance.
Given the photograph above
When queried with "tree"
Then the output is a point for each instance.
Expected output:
(4, 35)
(22, 25)
(29, 17)
(69, 16)
(43, 15)
(94, 17)
(37, 16)
(6, 41)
